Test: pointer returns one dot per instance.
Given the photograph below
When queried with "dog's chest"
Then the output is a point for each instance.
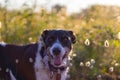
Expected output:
(41, 70)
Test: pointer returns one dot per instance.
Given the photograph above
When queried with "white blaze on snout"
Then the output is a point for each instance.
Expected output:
(57, 59)
(57, 44)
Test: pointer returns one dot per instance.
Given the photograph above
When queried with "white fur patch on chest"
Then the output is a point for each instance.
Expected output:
(41, 72)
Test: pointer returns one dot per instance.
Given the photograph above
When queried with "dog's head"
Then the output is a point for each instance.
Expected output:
(58, 44)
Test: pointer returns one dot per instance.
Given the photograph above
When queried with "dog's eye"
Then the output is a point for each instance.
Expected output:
(51, 39)
(65, 39)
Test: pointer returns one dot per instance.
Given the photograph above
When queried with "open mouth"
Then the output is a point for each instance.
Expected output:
(58, 60)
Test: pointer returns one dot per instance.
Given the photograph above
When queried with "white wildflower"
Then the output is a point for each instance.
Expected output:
(91, 67)
(30, 39)
(69, 58)
(74, 55)
(87, 64)
(106, 43)
(87, 42)
(116, 64)
(81, 64)
(118, 35)
(99, 76)
(111, 69)
(92, 61)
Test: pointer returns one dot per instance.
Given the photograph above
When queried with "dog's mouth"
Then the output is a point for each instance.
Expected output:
(58, 59)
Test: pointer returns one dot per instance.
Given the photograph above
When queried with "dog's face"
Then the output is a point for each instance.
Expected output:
(58, 44)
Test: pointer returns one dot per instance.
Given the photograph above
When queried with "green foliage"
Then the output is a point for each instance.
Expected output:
(97, 49)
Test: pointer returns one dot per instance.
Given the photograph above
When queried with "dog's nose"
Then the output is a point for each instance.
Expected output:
(56, 51)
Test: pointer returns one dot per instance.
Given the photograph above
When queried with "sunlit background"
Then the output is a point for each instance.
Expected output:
(96, 23)
(71, 5)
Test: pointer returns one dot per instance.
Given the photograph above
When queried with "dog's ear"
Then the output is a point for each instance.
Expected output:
(72, 36)
(44, 34)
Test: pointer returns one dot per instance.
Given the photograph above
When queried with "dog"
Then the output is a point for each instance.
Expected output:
(46, 59)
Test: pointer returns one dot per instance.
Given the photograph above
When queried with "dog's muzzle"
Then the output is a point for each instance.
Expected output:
(58, 59)
(56, 56)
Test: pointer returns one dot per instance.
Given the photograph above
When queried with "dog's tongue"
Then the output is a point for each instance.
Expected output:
(57, 61)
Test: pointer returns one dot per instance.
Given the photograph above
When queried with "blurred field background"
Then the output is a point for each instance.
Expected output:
(96, 55)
